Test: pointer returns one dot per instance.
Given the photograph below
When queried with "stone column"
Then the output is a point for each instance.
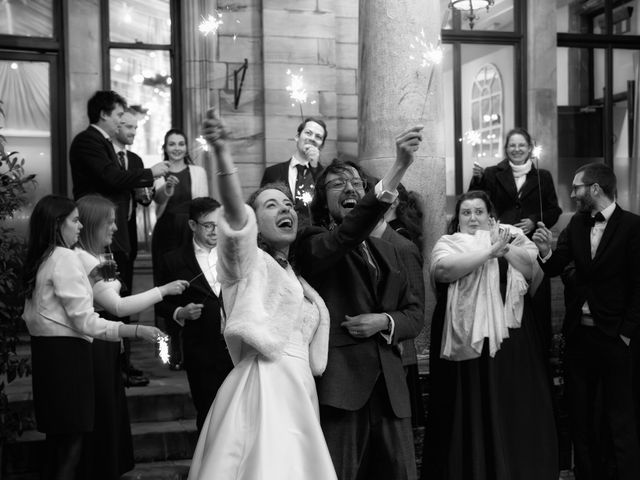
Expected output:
(392, 93)
(542, 95)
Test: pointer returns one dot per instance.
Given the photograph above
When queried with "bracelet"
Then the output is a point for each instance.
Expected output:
(220, 173)
(136, 332)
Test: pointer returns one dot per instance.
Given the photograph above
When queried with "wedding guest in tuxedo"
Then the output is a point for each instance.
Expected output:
(62, 323)
(602, 315)
(95, 168)
(365, 410)
(299, 173)
(108, 450)
(184, 182)
(199, 310)
(522, 195)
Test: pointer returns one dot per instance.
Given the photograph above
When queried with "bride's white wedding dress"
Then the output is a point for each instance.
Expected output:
(264, 423)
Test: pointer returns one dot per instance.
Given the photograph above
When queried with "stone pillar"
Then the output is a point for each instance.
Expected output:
(542, 96)
(392, 89)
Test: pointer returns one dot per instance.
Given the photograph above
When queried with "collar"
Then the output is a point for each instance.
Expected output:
(294, 161)
(104, 134)
(608, 211)
(200, 250)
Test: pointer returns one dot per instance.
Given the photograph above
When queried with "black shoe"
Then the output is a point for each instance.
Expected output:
(137, 381)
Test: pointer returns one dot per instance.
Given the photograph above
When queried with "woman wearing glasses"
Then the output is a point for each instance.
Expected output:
(522, 196)
(108, 451)
(184, 182)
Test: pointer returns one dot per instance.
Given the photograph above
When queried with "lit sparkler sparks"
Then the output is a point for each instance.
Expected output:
(429, 54)
(210, 24)
(536, 152)
(472, 137)
(202, 143)
(163, 348)
(297, 91)
(306, 198)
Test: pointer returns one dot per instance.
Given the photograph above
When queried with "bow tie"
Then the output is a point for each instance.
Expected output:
(591, 221)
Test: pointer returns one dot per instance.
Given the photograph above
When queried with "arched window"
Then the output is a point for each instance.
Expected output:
(486, 113)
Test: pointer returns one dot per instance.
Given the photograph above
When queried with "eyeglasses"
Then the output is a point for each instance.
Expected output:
(208, 226)
(340, 183)
(574, 188)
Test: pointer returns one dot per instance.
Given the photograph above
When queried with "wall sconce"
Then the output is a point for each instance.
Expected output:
(470, 7)
(237, 88)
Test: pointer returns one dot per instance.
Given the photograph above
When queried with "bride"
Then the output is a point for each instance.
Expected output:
(264, 422)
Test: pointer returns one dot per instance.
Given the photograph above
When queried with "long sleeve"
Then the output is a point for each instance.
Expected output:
(108, 297)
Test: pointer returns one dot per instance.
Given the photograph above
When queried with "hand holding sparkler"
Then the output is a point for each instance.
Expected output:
(312, 153)
(478, 171)
(191, 311)
(535, 153)
(170, 185)
(173, 288)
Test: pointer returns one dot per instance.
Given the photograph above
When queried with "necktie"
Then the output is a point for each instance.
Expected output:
(121, 160)
(597, 218)
(365, 253)
(304, 184)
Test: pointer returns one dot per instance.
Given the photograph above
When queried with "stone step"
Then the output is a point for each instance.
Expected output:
(152, 442)
(173, 470)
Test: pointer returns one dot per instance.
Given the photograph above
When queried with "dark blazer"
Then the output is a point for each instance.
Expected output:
(330, 263)
(412, 264)
(203, 344)
(512, 206)
(280, 173)
(134, 163)
(95, 169)
(610, 282)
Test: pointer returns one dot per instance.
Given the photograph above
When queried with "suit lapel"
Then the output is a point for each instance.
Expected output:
(609, 231)
(530, 184)
(200, 283)
(505, 178)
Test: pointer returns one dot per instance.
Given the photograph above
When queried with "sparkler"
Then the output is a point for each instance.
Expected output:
(163, 349)
(535, 153)
(211, 24)
(202, 143)
(297, 91)
(429, 55)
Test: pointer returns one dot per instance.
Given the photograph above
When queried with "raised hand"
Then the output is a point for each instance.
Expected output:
(213, 130)
(407, 144)
(542, 238)
(477, 170)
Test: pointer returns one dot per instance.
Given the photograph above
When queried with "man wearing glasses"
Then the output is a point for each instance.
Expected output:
(198, 312)
(602, 315)
(365, 409)
(299, 173)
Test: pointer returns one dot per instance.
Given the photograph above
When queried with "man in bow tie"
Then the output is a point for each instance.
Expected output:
(602, 315)
(299, 173)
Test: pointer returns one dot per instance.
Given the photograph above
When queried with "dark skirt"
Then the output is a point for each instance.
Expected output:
(491, 418)
(108, 451)
(63, 388)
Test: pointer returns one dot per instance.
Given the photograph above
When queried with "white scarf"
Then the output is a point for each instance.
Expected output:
(475, 309)
(520, 172)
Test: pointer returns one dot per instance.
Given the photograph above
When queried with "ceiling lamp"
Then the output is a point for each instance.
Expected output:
(470, 7)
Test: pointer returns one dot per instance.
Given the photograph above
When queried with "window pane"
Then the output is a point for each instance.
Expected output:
(487, 70)
(24, 90)
(140, 21)
(26, 18)
(580, 118)
(578, 16)
(143, 78)
(498, 18)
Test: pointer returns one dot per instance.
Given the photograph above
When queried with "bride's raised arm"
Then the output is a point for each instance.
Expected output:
(229, 187)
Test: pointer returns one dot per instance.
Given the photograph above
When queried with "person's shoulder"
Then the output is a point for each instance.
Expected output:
(134, 155)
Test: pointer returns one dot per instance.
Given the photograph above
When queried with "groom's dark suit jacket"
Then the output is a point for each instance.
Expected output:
(330, 263)
(95, 169)
(610, 282)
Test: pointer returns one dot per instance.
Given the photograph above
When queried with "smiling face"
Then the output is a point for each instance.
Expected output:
(518, 149)
(311, 134)
(127, 129)
(344, 190)
(277, 220)
(204, 230)
(473, 216)
(70, 228)
(176, 147)
(581, 194)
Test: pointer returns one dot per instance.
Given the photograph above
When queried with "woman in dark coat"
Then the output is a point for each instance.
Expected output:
(516, 188)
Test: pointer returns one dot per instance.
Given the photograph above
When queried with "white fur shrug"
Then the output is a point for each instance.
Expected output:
(263, 300)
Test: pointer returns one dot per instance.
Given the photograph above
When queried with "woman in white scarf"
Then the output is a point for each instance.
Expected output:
(490, 412)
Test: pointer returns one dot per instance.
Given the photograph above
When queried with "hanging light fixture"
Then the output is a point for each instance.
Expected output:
(470, 7)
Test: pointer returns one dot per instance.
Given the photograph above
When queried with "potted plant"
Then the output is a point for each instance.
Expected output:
(13, 189)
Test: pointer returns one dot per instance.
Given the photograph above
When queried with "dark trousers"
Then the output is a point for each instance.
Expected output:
(204, 384)
(370, 443)
(598, 373)
(125, 269)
